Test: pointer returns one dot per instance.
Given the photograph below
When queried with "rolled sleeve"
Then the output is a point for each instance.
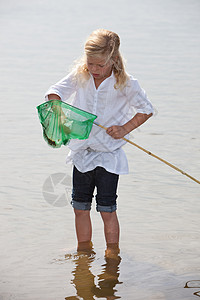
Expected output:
(138, 98)
(63, 88)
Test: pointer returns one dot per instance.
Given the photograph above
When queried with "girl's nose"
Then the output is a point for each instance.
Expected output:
(94, 68)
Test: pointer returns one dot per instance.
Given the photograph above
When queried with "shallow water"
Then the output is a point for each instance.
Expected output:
(158, 207)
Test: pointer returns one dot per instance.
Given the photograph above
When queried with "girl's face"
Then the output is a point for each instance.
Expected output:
(99, 68)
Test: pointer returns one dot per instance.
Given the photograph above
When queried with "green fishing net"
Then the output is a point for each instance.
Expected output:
(62, 122)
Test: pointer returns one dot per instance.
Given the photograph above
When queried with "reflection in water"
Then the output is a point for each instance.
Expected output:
(84, 281)
(193, 284)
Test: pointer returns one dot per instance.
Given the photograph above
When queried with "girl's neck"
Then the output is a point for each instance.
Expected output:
(98, 81)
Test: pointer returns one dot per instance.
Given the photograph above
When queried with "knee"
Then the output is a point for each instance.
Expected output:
(81, 213)
(108, 216)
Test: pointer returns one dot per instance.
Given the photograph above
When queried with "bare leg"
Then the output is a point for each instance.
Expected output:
(111, 227)
(83, 228)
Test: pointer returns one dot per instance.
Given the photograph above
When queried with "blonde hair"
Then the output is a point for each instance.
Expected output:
(104, 43)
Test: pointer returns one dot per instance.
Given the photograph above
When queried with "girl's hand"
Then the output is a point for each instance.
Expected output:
(116, 132)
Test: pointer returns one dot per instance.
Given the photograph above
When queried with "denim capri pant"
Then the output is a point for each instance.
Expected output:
(84, 185)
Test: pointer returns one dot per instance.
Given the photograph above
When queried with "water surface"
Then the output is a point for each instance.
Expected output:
(158, 207)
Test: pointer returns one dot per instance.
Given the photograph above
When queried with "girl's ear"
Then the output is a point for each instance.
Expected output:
(115, 59)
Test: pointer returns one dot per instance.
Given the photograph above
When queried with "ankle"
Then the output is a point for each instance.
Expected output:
(85, 246)
(113, 246)
(112, 250)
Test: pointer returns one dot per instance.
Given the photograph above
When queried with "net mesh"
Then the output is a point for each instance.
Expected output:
(62, 122)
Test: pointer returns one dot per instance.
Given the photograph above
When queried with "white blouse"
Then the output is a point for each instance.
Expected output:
(112, 107)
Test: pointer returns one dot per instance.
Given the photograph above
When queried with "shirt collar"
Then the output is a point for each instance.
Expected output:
(111, 76)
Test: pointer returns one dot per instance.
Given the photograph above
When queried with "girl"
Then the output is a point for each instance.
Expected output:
(101, 86)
